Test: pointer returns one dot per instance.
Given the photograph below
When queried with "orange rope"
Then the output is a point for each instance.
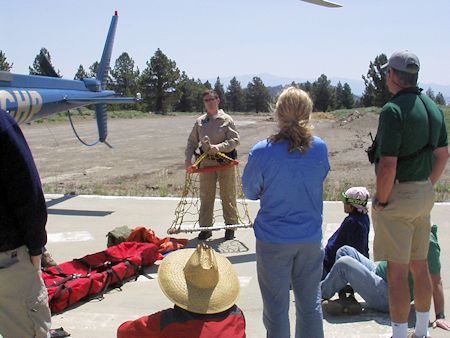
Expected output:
(195, 169)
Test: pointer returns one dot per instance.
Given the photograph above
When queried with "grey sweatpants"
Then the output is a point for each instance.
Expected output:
(24, 310)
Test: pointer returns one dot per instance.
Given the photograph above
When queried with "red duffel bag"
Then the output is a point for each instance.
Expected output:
(82, 278)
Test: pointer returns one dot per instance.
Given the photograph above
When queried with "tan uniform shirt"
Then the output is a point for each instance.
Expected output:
(220, 129)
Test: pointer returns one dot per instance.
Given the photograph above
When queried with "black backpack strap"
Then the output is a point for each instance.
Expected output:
(428, 146)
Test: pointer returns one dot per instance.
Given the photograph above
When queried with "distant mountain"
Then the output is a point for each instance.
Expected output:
(357, 86)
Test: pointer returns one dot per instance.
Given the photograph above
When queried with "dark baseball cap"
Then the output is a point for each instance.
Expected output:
(404, 61)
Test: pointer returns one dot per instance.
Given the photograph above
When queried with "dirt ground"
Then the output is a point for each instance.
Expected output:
(147, 158)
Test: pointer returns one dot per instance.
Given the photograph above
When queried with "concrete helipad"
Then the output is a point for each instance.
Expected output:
(78, 224)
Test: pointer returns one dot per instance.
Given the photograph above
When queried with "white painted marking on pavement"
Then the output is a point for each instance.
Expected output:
(244, 280)
(92, 321)
(71, 236)
(149, 198)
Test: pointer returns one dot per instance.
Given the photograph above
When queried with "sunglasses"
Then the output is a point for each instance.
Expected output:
(209, 100)
(349, 200)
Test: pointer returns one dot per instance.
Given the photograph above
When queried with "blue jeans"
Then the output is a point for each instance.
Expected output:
(351, 267)
(279, 266)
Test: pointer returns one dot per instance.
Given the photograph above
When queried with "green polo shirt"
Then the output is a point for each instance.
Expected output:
(403, 129)
(434, 264)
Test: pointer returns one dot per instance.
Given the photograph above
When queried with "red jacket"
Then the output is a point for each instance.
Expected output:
(180, 323)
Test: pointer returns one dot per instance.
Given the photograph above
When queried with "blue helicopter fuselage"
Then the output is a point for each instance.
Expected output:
(28, 97)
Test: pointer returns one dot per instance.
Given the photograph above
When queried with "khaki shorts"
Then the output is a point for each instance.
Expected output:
(24, 310)
(402, 229)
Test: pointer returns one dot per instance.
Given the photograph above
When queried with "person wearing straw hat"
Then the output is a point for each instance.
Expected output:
(286, 173)
(204, 287)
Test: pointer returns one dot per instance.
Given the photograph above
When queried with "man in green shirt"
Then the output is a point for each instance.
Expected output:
(412, 151)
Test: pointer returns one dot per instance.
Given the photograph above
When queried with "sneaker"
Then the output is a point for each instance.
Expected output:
(204, 235)
(47, 260)
(349, 306)
(413, 335)
(229, 234)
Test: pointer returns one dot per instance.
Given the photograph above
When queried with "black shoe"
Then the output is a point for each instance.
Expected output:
(204, 235)
(229, 234)
(346, 290)
(347, 306)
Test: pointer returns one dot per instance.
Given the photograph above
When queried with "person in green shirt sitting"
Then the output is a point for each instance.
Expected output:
(369, 280)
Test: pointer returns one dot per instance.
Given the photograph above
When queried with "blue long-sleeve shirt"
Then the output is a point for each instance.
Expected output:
(290, 189)
(23, 213)
(354, 231)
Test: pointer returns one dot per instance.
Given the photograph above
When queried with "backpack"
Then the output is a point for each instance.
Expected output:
(118, 235)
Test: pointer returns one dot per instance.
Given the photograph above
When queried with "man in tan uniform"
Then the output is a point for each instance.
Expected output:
(223, 137)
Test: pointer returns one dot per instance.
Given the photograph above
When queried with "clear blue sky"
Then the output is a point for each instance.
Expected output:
(209, 38)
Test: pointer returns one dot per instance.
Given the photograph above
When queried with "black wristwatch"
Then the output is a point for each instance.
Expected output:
(377, 202)
(440, 316)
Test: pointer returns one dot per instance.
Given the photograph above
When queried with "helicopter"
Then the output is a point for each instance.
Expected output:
(30, 97)
(324, 3)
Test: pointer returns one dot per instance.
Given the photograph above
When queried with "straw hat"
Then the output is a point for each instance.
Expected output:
(199, 280)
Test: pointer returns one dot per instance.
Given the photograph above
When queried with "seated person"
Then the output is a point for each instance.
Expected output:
(354, 230)
(370, 281)
(204, 287)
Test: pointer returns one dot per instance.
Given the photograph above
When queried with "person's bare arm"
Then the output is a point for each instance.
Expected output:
(438, 300)
(385, 177)
(36, 261)
(441, 156)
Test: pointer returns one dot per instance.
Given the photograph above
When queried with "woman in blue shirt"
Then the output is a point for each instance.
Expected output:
(286, 173)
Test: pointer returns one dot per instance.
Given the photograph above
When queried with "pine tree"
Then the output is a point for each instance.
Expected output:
(257, 96)
(80, 74)
(93, 69)
(4, 65)
(207, 85)
(305, 86)
(191, 99)
(348, 100)
(158, 82)
(376, 92)
(218, 88)
(338, 96)
(430, 94)
(235, 96)
(125, 76)
(322, 94)
(38, 68)
(440, 99)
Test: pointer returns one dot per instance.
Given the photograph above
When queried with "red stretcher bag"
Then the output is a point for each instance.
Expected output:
(92, 275)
